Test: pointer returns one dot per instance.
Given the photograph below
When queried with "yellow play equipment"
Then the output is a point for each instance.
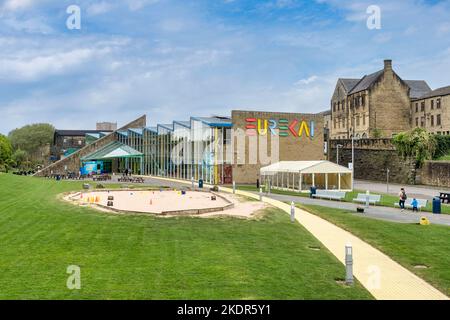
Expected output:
(424, 221)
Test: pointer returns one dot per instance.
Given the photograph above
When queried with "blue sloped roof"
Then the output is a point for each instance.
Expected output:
(215, 121)
(186, 124)
(138, 131)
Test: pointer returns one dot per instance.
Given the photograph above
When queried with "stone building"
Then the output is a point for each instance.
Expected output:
(377, 105)
(432, 111)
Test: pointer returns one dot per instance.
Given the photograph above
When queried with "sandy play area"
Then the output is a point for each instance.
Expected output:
(168, 202)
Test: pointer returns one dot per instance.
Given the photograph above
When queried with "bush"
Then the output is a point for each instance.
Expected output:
(417, 144)
(442, 146)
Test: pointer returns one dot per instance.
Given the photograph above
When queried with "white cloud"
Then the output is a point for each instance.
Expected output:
(99, 8)
(14, 5)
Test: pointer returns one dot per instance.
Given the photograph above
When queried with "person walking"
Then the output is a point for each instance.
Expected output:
(402, 199)
(415, 205)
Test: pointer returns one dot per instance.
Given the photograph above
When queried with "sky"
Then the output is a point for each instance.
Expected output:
(172, 59)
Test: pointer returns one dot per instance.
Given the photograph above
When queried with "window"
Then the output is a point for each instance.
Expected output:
(334, 107)
(438, 120)
(432, 104)
(343, 123)
(438, 103)
(417, 122)
(357, 120)
(339, 106)
(432, 120)
(417, 107)
(334, 123)
(363, 100)
(422, 122)
(422, 106)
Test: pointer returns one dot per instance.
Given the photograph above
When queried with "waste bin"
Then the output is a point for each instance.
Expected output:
(436, 205)
(200, 183)
(257, 184)
(312, 191)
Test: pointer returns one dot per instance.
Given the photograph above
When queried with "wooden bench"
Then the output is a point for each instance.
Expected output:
(421, 203)
(331, 195)
(373, 198)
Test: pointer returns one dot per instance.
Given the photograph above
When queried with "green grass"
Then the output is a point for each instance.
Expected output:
(387, 200)
(144, 257)
(408, 244)
(444, 158)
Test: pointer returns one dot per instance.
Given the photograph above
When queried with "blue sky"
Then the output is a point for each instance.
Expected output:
(171, 59)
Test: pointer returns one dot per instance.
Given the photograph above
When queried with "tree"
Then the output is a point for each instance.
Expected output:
(20, 157)
(5, 153)
(32, 138)
(417, 144)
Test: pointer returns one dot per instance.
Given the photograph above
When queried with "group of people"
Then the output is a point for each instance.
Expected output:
(402, 199)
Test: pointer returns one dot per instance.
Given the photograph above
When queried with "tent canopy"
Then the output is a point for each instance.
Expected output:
(113, 150)
(306, 167)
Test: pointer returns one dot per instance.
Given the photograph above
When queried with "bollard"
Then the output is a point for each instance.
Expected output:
(234, 187)
(349, 264)
(192, 181)
(292, 211)
(260, 194)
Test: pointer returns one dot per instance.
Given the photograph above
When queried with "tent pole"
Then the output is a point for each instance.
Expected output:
(313, 179)
(339, 181)
(300, 182)
(326, 181)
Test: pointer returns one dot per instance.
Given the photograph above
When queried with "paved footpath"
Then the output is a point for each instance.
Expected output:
(375, 212)
(418, 191)
(384, 278)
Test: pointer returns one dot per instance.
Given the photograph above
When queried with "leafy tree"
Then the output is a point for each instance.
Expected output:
(31, 138)
(20, 157)
(417, 144)
(442, 146)
(5, 150)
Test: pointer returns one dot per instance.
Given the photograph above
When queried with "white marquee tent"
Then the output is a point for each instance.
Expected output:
(301, 175)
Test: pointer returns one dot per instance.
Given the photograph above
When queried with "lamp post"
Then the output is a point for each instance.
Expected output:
(337, 152)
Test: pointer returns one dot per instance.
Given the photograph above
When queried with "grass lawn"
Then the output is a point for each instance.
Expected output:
(387, 200)
(444, 158)
(144, 257)
(408, 244)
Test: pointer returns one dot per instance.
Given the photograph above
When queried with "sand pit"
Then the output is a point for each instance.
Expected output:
(167, 203)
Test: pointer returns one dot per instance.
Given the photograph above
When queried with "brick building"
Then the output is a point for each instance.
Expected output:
(377, 105)
(432, 111)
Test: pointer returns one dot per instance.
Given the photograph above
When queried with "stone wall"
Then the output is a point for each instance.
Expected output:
(436, 173)
(372, 159)
(73, 162)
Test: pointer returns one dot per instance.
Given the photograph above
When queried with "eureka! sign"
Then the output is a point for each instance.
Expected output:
(285, 127)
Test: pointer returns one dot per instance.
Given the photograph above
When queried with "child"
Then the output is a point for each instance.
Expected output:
(415, 204)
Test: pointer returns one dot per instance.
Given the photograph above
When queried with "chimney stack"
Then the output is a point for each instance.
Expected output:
(387, 65)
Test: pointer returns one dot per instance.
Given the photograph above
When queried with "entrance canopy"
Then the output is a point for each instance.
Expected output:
(301, 175)
(113, 150)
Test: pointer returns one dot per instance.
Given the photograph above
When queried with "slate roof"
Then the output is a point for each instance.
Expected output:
(418, 88)
(349, 84)
(366, 82)
(437, 93)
